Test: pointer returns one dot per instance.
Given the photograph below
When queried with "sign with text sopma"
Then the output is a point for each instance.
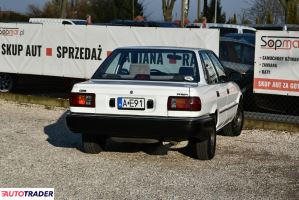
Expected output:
(276, 69)
(77, 51)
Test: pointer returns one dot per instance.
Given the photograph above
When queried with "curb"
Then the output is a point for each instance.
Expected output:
(249, 123)
(269, 121)
(270, 125)
(39, 100)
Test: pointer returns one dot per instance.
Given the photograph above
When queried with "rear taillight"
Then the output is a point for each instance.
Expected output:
(184, 103)
(82, 100)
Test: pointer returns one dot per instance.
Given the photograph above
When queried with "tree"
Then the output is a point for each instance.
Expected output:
(50, 9)
(205, 8)
(124, 9)
(10, 16)
(221, 17)
(234, 21)
(282, 11)
(100, 10)
(259, 11)
(78, 9)
(34, 11)
(188, 8)
(244, 20)
(63, 7)
(257, 20)
(167, 8)
(269, 18)
(285, 4)
(292, 14)
(114, 9)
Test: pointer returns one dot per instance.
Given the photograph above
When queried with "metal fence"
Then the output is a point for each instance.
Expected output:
(272, 117)
(276, 108)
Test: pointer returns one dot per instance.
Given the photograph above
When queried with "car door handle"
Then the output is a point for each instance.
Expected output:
(227, 90)
(218, 94)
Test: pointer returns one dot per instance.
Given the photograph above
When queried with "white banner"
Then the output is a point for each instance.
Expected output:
(77, 51)
(276, 69)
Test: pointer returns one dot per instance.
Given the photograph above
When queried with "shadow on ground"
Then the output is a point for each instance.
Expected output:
(148, 148)
(59, 136)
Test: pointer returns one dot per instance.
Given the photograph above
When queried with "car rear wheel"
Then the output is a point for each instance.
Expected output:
(205, 149)
(93, 144)
(234, 128)
(6, 82)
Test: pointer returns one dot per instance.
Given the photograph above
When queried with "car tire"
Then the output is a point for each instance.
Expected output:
(7, 82)
(92, 144)
(205, 149)
(234, 128)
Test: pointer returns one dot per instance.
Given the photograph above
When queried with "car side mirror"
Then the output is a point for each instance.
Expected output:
(235, 77)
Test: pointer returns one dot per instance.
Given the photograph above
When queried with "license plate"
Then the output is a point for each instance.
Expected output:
(124, 103)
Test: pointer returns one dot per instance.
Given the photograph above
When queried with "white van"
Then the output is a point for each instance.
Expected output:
(57, 21)
(225, 28)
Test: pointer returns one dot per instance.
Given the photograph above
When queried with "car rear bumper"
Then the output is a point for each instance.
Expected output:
(141, 126)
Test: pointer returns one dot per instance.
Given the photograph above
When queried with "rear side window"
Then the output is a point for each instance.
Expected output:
(150, 65)
(209, 68)
(217, 65)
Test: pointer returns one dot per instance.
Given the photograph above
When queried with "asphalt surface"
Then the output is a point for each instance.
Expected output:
(36, 150)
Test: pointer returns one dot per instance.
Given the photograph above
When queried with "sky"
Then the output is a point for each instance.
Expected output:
(152, 7)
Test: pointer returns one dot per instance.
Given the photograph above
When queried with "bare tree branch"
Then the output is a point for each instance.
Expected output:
(167, 8)
(260, 10)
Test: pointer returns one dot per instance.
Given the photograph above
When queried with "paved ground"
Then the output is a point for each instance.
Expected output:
(36, 150)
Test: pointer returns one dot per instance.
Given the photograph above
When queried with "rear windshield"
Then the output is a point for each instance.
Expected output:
(150, 65)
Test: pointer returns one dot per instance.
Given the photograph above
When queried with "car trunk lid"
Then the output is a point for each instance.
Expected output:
(147, 97)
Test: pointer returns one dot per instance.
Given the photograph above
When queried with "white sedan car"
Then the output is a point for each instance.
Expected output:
(162, 93)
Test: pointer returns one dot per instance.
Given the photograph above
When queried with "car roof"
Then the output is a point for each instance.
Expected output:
(224, 25)
(120, 22)
(54, 19)
(229, 39)
(279, 27)
(241, 34)
(162, 47)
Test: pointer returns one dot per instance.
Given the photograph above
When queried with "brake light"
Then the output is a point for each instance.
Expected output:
(82, 100)
(184, 103)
